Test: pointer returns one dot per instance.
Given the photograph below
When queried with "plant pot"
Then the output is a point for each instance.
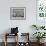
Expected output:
(40, 41)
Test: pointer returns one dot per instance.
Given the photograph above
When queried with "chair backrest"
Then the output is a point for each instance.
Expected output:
(24, 37)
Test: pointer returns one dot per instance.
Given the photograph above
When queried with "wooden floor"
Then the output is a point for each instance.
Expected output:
(13, 44)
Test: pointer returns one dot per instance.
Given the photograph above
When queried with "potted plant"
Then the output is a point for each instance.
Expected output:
(38, 27)
(39, 36)
(35, 26)
(42, 27)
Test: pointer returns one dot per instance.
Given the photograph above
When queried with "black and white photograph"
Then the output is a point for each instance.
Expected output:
(17, 13)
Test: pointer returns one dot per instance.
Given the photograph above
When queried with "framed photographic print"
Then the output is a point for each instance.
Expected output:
(17, 13)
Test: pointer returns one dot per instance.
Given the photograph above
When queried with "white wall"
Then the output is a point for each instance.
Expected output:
(24, 25)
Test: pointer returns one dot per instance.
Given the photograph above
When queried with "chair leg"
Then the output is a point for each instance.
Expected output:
(5, 43)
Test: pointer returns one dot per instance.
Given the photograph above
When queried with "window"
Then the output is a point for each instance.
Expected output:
(41, 8)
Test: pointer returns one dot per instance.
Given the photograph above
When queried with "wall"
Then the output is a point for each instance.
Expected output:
(24, 25)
